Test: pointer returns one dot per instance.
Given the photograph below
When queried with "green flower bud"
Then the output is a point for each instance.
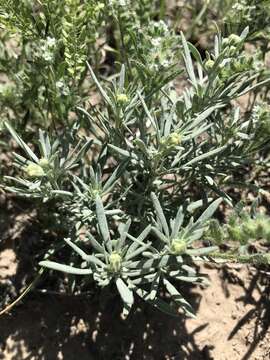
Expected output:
(34, 170)
(237, 66)
(178, 246)
(122, 98)
(94, 191)
(44, 163)
(209, 64)
(115, 262)
(174, 139)
(234, 39)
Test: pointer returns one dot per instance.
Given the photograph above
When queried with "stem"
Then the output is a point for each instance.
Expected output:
(123, 47)
(243, 259)
(23, 294)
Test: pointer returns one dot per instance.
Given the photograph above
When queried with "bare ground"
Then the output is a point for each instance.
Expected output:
(233, 319)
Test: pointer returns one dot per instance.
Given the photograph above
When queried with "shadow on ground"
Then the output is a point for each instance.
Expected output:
(53, 327)
(259, 313)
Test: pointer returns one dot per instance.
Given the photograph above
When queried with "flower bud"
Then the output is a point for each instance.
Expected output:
(209, 64)
(174, 139)
(234, 39)
(237, 66)
(44, 163)
(115, 262)
(163, 141)
(122, 98)
(34, 170)
(178, 246)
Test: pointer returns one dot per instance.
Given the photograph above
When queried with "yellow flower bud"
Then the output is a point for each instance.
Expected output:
(122, 98)
(209, 64)
(174, 139)
(44, 163)
(115, 262)
(34, 170)
(234, 39)
(178, 246)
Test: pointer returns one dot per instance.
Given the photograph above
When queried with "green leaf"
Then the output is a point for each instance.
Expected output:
(150, 117)
(207, 214)
(160, 214)
(202, 116)
(159, 235)
(138, 251)
(202, 251)
(178, 222)
(123, 234)
(115, 176)
(158, 303)
(79, 251)
(100, 88)
(122, 152)
(188, 62)
(20, 142)
(126, 295)
(102, 222)
(178, 298)
(96, 245)
(205, 156)
(65, 268)
(154, 286)
(144, 233)
(122, 78)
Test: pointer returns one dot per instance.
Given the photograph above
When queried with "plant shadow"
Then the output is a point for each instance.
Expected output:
(256, 294)
(64, 327)
(55, 325)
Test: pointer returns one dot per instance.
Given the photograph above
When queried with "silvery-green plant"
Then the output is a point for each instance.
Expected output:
(145, 147)
(243, 230)
(140, 264)
(153, 156)
(44, 175)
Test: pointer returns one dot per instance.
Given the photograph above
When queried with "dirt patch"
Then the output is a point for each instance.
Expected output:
(234, 308)
(233, 319)
(8, 264)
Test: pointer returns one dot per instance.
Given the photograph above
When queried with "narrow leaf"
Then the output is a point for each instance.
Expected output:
(65, 268)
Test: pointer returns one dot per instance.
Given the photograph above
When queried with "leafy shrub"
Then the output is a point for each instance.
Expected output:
(137, 176)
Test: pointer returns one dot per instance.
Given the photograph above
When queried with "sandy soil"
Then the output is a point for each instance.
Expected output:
(233, 319)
